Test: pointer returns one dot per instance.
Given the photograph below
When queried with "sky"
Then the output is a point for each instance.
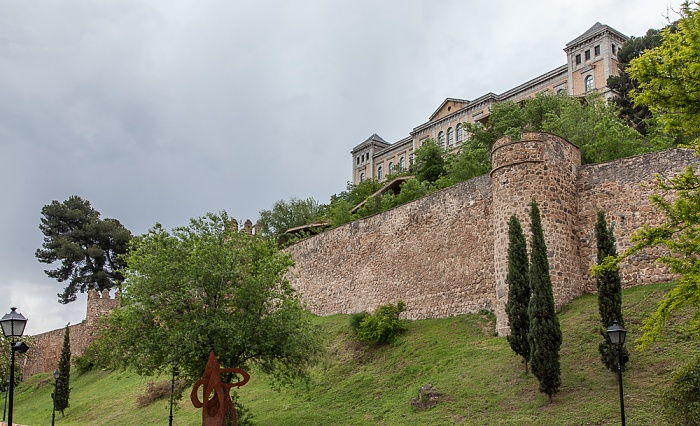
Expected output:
(160, 111)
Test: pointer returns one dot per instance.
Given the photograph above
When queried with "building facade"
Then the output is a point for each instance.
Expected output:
(590, 59)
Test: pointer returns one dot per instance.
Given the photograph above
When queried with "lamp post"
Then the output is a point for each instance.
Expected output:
(617, 335)
(56, 375)
(172, 391)
(12, 328)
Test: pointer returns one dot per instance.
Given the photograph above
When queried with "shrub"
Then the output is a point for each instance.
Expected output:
(383, 326)
(356, 319)
(682, 401)
(154, 392)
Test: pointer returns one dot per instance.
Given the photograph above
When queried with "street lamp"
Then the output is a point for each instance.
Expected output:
(12, 328)
(56, 375)
(172, 391)
(617, 335)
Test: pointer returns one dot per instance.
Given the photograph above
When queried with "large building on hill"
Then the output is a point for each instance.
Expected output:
(590, 59)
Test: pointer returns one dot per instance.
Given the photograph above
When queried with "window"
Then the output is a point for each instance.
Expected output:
(597, 50)
(358, 159)
(450, 136)
(588, 83)
(362, 177)
(391, 167)
(561, 92)
(578, 59)
(380, 173)
(441, 139)
(588, 54)
(459, 133)
(402, 163)
(613, 46)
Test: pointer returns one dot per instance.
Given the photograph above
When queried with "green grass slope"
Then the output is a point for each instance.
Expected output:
(481, 381)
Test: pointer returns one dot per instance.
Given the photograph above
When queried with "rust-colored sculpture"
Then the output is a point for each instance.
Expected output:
(216, 400)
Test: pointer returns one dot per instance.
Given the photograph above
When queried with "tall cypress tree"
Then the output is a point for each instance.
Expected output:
(544, 335)
(62, 392)
(518, 290)
(609, 293)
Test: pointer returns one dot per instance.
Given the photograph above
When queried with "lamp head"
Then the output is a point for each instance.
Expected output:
(56, 374)
(616, 334)
(13, 324)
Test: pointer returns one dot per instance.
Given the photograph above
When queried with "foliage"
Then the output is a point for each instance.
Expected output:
(471, 160)
(544, 334)
(155, 391)
(338, 211)
(62, 394)
(682, 401)
(622, 84)
(430, 161)
(5, 354)
(518, 290)
(356, 319)
(289, 214)
(208, 287)
(609, 293)
(679, 235)
(383, 326)
(668, 76)
(87, 246)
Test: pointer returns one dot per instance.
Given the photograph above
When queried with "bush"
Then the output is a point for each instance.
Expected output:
(356, 319)
(682, 401)
(154, 392)
(383, 326)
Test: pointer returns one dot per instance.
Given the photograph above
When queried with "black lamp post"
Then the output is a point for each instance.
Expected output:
(172, 391)
(56, 375)
(617, 337)
(12, 328)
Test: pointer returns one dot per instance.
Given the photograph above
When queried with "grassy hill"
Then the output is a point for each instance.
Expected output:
(481, 380)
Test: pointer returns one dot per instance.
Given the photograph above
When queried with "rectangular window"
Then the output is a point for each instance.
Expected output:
(613, 46)
(597, 50)
(588, 54)
(578, 59)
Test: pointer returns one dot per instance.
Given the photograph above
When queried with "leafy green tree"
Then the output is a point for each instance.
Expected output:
(471, 161)
(609, 293)
(430, 161)
(62, 391)
(544, 335)
(88, 247)
(383, 326)
(668, 76)
(290, 214)
(622, 84)
(207, 287)
(518, 291)
(681, 401)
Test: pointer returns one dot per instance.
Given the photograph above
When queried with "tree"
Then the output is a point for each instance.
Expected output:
(668, 76)
(207, 287)
(518, 290)
(622, 84)
(430, 162)
(289, 214)
(88, 247)
(544, 334)
(62, 391)
(609, 293)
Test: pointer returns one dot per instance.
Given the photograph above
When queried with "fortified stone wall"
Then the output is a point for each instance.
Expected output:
(45, 351)
(446, 254)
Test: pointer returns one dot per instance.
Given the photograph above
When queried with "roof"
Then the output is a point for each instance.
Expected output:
(394, 186)
(596, 29)
(375, 138)
(459, 101)
(310, 227)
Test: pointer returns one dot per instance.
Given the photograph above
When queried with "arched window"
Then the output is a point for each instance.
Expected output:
(441, 139)
(459, 132)
(380, 173)
(561, 92)
(391, 167)
(402, 163)
(450, 136)
(588, 83)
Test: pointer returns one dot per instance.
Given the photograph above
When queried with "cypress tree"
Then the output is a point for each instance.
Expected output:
(62, 391)
(544, 335)
(518, 290)
(609, 293)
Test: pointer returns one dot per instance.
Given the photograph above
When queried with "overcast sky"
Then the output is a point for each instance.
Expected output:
(159, 111)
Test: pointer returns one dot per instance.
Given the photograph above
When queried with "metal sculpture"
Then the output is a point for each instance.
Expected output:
(216, 401)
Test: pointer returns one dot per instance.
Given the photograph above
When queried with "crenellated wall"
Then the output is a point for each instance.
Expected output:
(446, 254)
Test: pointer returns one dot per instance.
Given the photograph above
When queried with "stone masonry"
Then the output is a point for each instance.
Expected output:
(446, 254)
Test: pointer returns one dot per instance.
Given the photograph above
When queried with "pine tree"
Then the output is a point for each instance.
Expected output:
(62, 392)
(518, 290)
(544, 335)
(609, 293)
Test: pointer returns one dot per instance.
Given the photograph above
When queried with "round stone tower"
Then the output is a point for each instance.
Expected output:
(543, 167)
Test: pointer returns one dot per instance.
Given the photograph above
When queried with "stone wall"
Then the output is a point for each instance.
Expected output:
(45, 350)
(446, 254)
